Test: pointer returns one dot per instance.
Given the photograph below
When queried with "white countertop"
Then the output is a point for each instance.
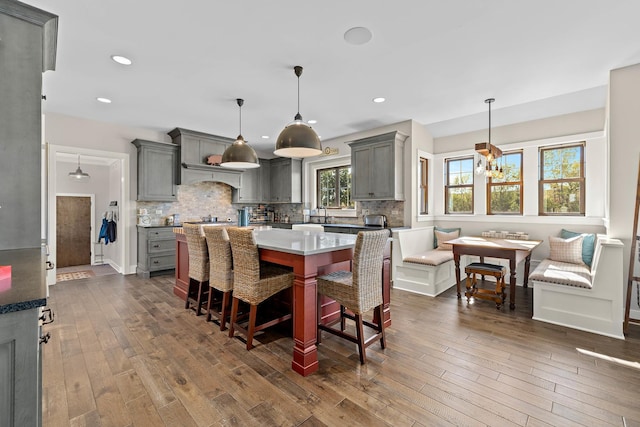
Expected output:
(303, 242)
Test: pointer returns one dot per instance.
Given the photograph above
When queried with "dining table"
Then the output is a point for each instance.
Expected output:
(513, 250)
(310, 254)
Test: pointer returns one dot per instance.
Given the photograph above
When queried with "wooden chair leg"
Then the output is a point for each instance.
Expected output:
(209, 301)
(234, 315)
(360, 337)
(383, 343)
(224, 310)
(253, 310)
(343, 321)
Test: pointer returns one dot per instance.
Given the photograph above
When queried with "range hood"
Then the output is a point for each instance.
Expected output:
(191, 173)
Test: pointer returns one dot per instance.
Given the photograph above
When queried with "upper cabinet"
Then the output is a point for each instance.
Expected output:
(254, 185)
(286, 180)
(157, 170)
(377, 167)
(195, 150)
(27, 49)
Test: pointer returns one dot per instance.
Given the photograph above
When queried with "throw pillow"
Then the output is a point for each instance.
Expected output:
(446, 230)
(443, 237)
(566, 250)
(588, 244)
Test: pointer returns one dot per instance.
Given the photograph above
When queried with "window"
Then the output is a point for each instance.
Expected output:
(334, 188)
(459, 186)
(423, 184)
(561, 186)
(504, 195)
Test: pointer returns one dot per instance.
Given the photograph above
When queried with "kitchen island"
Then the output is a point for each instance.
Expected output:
(309, 254)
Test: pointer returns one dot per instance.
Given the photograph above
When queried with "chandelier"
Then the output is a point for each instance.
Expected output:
(490, 152)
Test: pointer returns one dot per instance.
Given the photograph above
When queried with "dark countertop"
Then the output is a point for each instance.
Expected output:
(26, 287)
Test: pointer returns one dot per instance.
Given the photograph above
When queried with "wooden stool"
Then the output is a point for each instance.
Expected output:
(498, 295)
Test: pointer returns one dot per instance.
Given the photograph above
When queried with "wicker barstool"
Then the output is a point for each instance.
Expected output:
(220, 274)
(198, 267)
(253, 283)
(359, 291)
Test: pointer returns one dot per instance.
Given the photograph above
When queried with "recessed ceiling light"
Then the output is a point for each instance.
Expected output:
(358, 35)
(121, 59)
(104, 100)
(379, 100)
(265, 136)
(312, 122)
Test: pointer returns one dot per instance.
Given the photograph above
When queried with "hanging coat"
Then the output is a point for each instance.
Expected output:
(112, 229)
(103, 231)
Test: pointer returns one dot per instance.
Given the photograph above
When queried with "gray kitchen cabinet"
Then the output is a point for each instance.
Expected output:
(377, 171)
(156, 250)
(255, 184)
(27, 49)
(199, 173)
(20, 369)
(196, 147)
(286, 180)
(157, 170)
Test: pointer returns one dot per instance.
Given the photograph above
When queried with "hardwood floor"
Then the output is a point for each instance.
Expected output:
(124, 352)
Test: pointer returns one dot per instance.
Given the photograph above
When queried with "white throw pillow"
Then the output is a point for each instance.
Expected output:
(566, 250)
(443, 237)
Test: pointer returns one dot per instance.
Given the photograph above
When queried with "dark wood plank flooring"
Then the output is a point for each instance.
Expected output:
(124, 352)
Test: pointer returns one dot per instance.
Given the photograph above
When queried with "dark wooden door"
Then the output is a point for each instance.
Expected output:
(73, 231)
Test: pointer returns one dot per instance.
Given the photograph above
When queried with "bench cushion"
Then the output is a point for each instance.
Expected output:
(432, 257)
(483, 266)
(562, 273)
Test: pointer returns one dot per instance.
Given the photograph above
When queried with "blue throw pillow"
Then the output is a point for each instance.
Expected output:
(446, 230)
(588, 244)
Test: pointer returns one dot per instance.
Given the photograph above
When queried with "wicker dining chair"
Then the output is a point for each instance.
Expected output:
(198, 267)
(253, 283)
(359, 291)
(220, 274)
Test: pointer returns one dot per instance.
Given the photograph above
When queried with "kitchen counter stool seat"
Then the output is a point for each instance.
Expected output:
(220, 274)
(253, 283)
(198, 291)
(359, 291)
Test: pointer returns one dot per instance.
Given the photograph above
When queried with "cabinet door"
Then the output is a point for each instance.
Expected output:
(382, 177)
(265, 180)
(280, 175)
(249, 191)
(19, 359)
(156, 174)
(361, 164)
(190, 150)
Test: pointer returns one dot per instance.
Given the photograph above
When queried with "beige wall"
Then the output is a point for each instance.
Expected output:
(624, 146)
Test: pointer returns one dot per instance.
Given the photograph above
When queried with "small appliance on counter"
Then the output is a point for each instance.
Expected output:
(243, 217)
(375, 221)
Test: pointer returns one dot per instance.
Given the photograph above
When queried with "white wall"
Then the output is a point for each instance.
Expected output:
(624, 146)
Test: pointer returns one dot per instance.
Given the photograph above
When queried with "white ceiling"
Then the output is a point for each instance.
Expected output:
(435, 61)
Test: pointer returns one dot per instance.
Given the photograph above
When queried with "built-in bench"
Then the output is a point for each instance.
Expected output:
(579, 297)
(417, 266)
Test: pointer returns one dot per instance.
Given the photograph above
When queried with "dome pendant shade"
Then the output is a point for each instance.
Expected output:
(239, 155)
(78, 175)
(298, 139)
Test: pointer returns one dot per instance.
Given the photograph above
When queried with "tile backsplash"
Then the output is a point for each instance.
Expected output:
(213, 198)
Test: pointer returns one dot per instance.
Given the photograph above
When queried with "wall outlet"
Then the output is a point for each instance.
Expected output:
(365, 211)
(394, 212)
(158, 211)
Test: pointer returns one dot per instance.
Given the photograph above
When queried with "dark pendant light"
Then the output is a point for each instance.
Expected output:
(239, 155)
(78, 175)
(298, 139)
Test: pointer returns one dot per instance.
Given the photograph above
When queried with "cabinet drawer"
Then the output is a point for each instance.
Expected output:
(158, 245)
(162, 262)
(161, 233)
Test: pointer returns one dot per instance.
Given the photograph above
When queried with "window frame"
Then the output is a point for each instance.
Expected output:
(336, 170)
(490, 184)
(447, 187)
(581, 179)
(423, 186)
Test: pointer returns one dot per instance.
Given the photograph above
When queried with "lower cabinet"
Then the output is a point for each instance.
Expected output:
(156, 250)
(20, 369)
